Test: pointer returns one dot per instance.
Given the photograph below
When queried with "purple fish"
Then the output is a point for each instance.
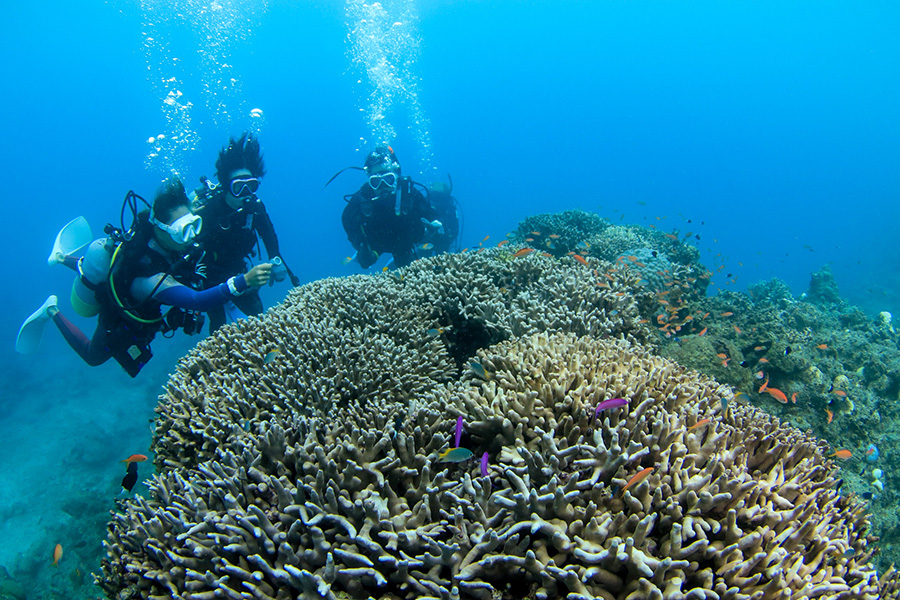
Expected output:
(459, 430)
(609, 404)
(484, 464)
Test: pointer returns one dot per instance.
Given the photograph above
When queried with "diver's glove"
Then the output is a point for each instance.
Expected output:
(279, 270)
(433, 226)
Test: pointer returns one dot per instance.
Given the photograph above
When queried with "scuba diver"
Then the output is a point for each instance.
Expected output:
(127, 277)
(447, 209)
(388, 213)
(234, 220)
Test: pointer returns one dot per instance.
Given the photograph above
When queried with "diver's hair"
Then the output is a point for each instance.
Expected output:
(171, 195)
(240, 154)
(382, 156)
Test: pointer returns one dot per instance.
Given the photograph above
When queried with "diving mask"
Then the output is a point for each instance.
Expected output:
(389, 179)
(244, 186)
(183, 230)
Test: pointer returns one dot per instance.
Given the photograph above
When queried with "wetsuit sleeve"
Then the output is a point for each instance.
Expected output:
(182, 296)
(352, 220)
(423, 206)
(266, 231)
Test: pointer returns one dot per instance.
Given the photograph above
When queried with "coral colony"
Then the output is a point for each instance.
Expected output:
(338, 487)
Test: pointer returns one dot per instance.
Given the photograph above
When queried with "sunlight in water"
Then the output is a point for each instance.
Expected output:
(185, 37)
(384, 46)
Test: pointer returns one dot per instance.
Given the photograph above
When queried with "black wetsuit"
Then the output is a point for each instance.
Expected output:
(373, 225)
(229, 238)
(447, 211)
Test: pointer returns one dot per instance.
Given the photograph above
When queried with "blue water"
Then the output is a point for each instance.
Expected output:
(771, 126)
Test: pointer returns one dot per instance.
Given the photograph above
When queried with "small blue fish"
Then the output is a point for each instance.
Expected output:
(246, 424)
(872, 453)
(434, 332)
(478, 369)
(455, 455)
(724, 401)
(271, 356)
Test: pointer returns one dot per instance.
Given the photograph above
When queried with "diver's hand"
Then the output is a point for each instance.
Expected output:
(435, 225)
(258, 275)
(366, 257)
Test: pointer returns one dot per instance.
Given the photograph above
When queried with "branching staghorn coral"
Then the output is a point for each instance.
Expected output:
(353, 497)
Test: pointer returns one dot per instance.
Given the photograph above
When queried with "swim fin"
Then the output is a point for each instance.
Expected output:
(71, 238)
(29, 338)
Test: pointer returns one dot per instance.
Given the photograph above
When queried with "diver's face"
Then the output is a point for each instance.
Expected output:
(382, 179)
(239, 188)
(166, 239)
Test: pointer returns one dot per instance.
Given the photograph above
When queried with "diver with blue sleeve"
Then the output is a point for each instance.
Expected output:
(128, 277)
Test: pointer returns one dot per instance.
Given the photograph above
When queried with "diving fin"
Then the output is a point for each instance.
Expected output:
(29, 338)
(70, 239)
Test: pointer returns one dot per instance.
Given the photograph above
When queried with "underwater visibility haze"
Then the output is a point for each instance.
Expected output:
(752, 145)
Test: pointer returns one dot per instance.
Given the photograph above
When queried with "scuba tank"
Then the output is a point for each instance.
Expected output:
(93, 270)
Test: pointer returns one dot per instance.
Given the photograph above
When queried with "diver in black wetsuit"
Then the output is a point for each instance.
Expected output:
(445, 206)
(388, 213)
(234, 220)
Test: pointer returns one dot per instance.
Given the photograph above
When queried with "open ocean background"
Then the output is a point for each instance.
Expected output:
(772, 126)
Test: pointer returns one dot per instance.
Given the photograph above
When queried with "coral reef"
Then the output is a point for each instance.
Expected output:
(838, 369)
(823, 288)
(300, 455)
(392, 336)
(576, 230)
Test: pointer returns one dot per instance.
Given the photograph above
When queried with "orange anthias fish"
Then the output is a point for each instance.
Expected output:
(703, 331)
(523, 252)
(840, 393)
(726, 314)
(57, 554)
(580, 259)
(777, 394)
(794, 398)
(134, 458)
(830, 415)
(842, 454)
(637, 478)
(764, 386)
(503, 242)
(822, 346)
(699, 423)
